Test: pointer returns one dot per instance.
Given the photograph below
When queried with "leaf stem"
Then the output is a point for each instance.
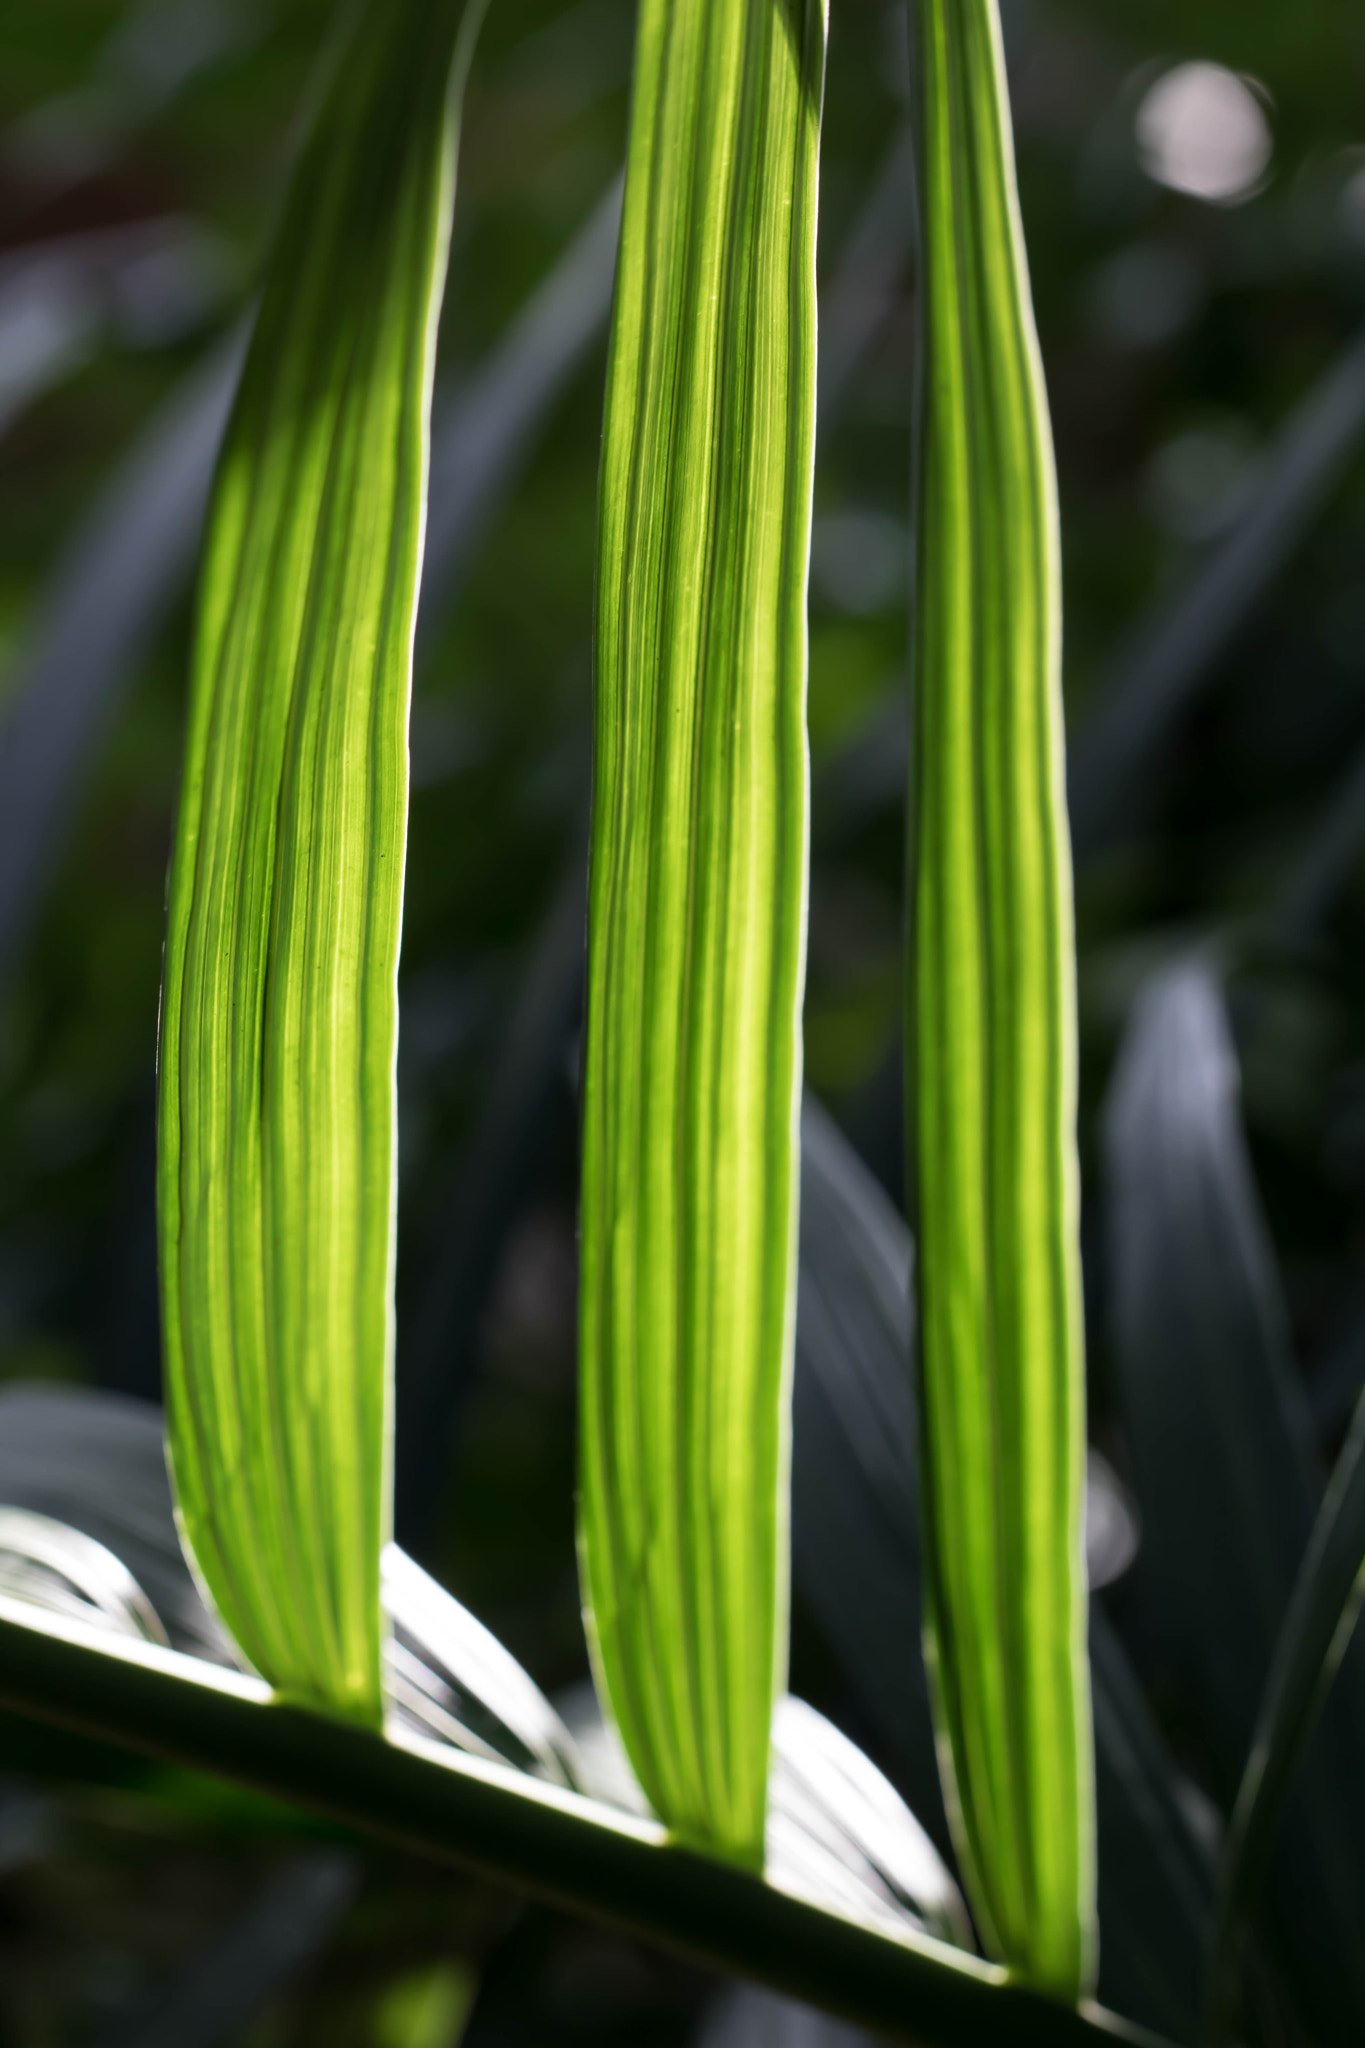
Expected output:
(515, 1830)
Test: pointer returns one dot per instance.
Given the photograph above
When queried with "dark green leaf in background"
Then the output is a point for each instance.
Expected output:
(697, 904)
(991, 1075)
(1175, 651)
(1224, 1461)
(1315, 1637)
(856, 1560)
(279, 1012)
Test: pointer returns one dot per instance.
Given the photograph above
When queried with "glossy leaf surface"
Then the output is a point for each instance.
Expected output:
(697, 904)
(279, 1012)
(1224, 1461)
(992, 1046)
(509, 1824)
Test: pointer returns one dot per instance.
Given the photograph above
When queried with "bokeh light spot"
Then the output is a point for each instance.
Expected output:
(1203, 130)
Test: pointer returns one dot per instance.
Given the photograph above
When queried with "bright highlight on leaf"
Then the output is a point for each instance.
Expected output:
(279, 1012)
(697, 911)
(992, 1058)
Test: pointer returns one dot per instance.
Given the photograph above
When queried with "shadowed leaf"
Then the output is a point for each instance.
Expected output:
(855, 1556)
(1315, 1637)
(1223, 1455)
(570, 1851)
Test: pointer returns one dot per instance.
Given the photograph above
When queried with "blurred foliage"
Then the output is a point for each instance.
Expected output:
(149, 142)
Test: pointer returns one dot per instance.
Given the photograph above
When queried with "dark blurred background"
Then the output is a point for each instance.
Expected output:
(1193, 188)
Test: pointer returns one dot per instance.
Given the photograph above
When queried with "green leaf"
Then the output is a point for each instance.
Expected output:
(279, 1013)
(992, 1047)
(572, 1852)
(87, 1527)
(856, 1563)
(97, 1462)
(839, 1835)
(1315, 1637)
(697, 905)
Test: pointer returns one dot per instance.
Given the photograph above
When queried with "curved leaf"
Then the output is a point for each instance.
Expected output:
(855, 1524)
(86, 1472)
(58, 1568)
(279, 1017)
(96, 1462)
(1223, 1457)
(855, 1557)
(838, 1833)
(697, 904)
(441, 1645)
(517, 1830)
(991, 1048)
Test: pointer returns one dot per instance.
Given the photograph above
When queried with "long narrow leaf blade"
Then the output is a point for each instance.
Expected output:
(855, 1524)
(856, 1561)
(991, 1067)
(574, 1853)
(697, 903)
(279, 1013)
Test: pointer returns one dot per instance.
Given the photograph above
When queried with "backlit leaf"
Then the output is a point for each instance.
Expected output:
(506, 1825)
(991, 1076)
(856, 1561)
(697, 904)
(279, 1013)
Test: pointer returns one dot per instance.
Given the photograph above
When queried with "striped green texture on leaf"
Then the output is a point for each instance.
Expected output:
(279, 1013)
(991, 1050)
(697, 904)
(576, 1854)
